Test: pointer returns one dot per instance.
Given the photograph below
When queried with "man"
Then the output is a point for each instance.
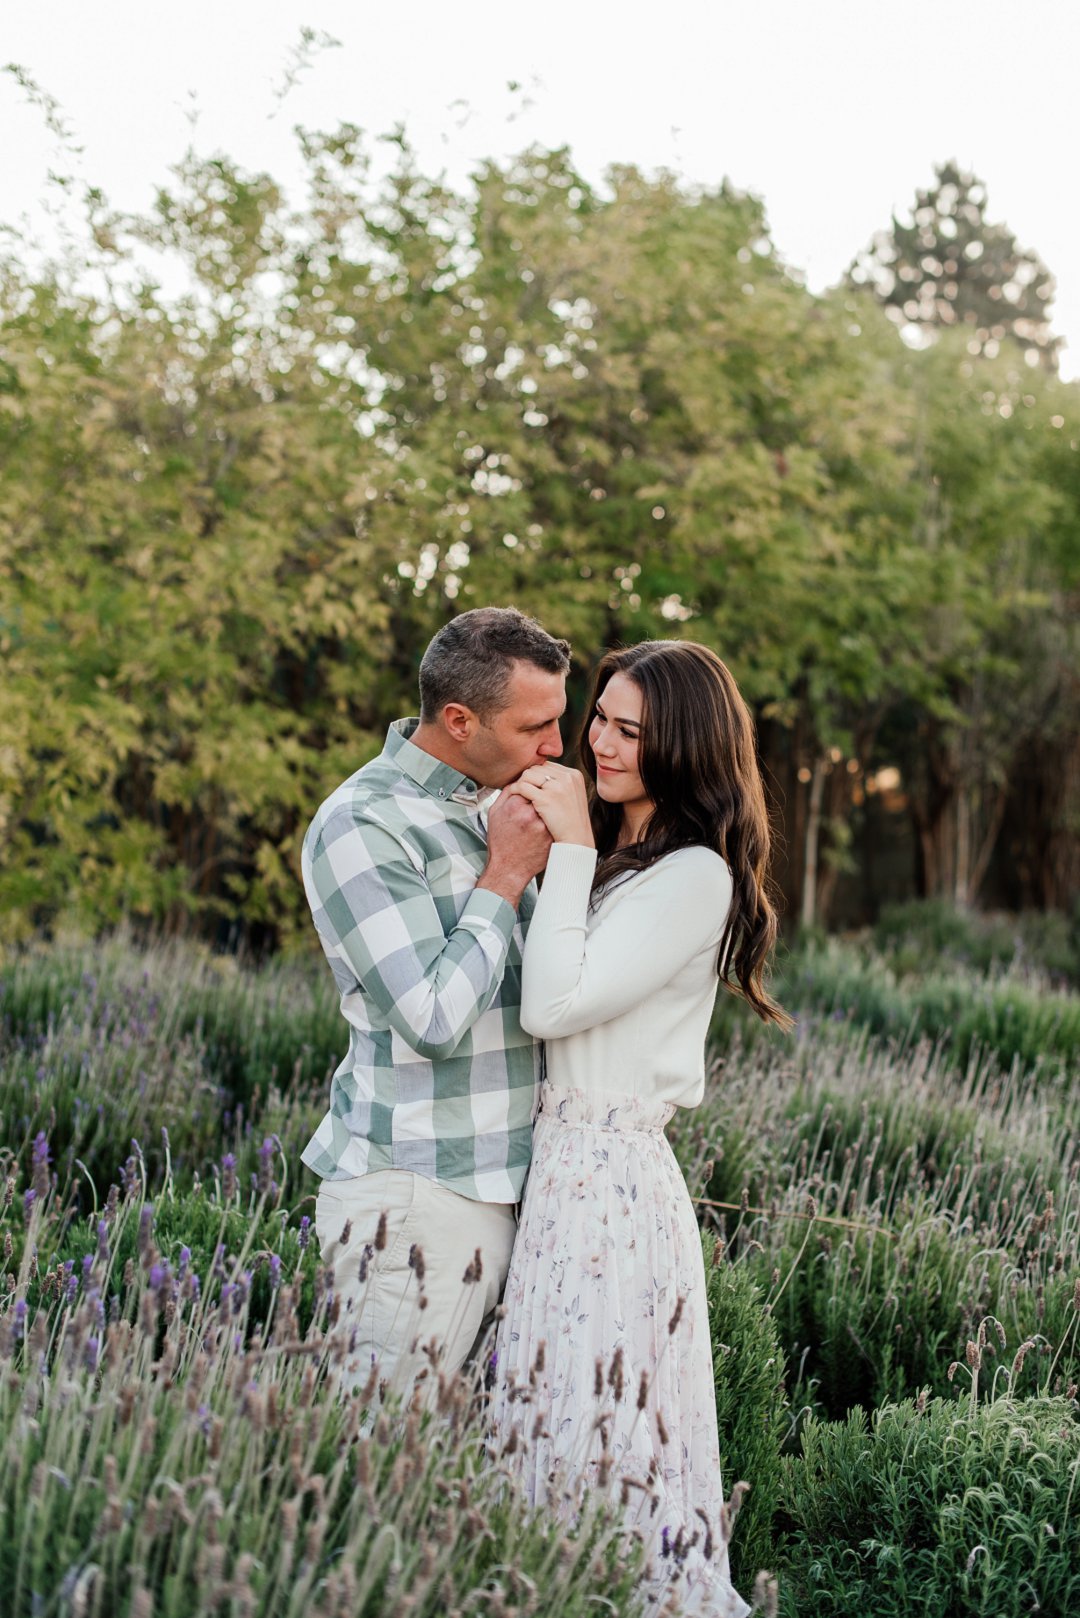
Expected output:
(421, 909)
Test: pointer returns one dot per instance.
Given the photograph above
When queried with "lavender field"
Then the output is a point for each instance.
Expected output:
(891, 1218)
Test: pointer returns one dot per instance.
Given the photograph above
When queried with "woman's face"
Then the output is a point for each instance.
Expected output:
(614, 736)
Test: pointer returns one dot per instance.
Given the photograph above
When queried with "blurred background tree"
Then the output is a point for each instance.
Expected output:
(948, 265)
(232, 517)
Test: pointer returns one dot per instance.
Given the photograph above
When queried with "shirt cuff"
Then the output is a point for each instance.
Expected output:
(485, 910)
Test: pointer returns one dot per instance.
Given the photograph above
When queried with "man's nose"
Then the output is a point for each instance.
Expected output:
(552, 747)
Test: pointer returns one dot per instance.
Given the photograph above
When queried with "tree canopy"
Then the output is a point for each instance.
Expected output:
(230, 519)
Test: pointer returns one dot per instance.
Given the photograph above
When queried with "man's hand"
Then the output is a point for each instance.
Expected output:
(559, 796)
(518, 847)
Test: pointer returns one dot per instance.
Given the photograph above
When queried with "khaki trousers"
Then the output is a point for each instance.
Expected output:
(389, 1315)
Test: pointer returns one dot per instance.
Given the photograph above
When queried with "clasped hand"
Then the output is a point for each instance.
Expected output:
(559, 797)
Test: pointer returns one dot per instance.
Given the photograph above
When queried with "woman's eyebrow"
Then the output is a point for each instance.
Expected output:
(635, 722)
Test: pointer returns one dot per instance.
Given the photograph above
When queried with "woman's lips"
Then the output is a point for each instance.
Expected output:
(605, 769)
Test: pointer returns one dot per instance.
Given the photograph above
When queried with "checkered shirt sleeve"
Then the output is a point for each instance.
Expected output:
(374, 910)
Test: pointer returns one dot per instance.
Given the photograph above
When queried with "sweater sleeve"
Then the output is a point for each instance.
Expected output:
(573, 979)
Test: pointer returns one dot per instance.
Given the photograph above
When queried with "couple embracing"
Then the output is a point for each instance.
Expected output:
(448, 1112)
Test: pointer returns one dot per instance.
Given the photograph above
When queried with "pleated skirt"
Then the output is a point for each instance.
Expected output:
(603, 1360)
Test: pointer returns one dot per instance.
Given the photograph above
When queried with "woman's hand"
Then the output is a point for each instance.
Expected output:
(560, 799)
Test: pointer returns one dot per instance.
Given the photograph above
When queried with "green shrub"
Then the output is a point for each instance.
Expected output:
(1009, 1016)
(919, 935)
(169, 1040)
(750, 1407)
(170, 1440)
(935, 1507)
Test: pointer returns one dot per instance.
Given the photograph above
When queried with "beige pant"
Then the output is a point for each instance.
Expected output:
(383, 1321)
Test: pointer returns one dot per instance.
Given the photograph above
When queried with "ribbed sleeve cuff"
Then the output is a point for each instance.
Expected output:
(568, 878)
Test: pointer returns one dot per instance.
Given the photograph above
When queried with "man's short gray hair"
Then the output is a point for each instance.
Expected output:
(472, 658)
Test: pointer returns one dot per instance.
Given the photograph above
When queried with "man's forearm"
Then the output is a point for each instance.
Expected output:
(498, 878)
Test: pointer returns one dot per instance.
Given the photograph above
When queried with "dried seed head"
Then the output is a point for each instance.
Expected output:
(734, 1504)
(661, 1428)
(1021, 1355)
(416, 1261)
(380, 1233)
(676, 1317)
(718, 1251)
(766, 1595)
(643, 1391)
(598, 1378)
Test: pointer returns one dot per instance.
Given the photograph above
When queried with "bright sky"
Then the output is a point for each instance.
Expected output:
(833, 111)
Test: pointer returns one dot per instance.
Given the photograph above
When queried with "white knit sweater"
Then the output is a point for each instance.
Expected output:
(623, 994)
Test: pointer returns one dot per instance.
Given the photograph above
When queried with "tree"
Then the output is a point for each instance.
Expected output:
(948, 265)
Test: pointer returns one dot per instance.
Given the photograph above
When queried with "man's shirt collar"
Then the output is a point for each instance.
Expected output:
(430, 773)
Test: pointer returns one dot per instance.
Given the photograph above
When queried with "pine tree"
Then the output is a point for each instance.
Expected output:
(948, 266)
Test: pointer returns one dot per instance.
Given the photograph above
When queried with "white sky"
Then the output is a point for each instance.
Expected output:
(833, 111)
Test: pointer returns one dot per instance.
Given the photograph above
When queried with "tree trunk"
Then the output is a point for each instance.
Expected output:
(808, 912)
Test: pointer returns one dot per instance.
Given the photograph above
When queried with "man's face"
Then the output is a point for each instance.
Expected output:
(524, 732)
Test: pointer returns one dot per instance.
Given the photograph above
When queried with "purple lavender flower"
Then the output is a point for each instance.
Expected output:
(228, 1176)
(146, 1225)
(275, 1271)
(266, 1158)
(19, 1323)
(29, 1198)
(185, 1260)
(91, 1353)
(304, 1233)
(87, 1266)
(103, 1241)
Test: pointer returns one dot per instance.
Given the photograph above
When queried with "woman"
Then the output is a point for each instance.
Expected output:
(654, 893)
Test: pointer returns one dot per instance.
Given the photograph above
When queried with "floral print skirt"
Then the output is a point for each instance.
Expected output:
(603, 1361)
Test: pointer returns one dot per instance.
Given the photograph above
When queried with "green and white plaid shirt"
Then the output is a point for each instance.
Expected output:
(440, 1077)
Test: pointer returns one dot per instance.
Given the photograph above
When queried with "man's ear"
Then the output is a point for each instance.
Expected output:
(460, 722)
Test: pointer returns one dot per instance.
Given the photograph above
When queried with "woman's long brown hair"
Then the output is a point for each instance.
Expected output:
(698, 764)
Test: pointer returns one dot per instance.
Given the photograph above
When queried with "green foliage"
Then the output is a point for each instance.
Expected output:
(948, 265)
(230, 519)
(892, 1211)
(750, 1408)
(1009, 1016)
(173, 1445)
(922, 935)
(936, 1507)
(104, 1046)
